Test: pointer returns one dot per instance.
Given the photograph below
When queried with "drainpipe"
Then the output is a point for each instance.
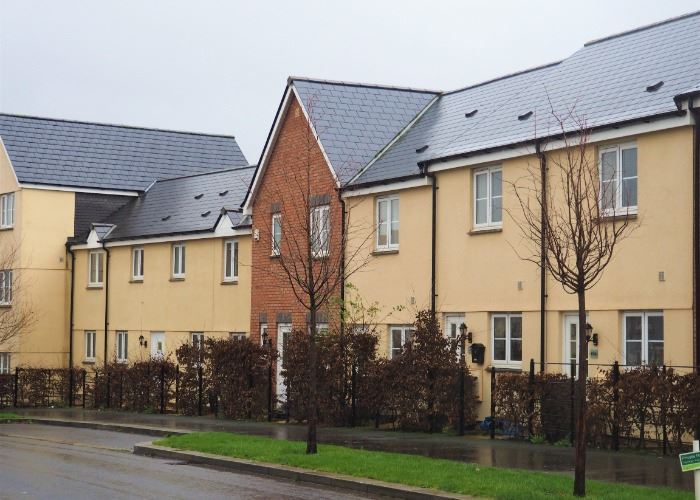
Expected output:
(543, 252)
(70, 326)
(696, 230)
(342, 262)
(433, 239)
(104, 246)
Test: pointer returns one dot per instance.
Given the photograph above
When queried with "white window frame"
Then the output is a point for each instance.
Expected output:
(390, 244)
(618, 209)
(179, 260)
(137, 269)
(320, 222)
(237, 335)
(7, 210)
(6, 278)
(5, 359)
(276, 222)
(122, 346)
(488, 172)
(645, 315)
(406, 331)
(508, 362)
(197, 339)
(96, 258)
(231, 261)
(90, 348)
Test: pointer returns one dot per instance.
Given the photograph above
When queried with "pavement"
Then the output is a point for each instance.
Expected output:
(628, 467)
(49, 462)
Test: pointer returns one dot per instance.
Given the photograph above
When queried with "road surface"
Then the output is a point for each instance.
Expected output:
(39, 461)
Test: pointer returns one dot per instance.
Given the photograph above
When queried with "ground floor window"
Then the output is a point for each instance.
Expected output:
(198, 339)
(237, 335)
(399, 336)
(4, 363)
(90, 336)
(507, 335)
(122, 346)
(643, 338)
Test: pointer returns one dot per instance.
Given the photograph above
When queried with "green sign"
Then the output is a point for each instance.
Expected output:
(690, 461)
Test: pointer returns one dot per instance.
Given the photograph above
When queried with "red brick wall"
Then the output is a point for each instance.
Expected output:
(295, 159)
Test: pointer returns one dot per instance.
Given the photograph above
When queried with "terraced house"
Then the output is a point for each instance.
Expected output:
(431, 173)
(59, 177)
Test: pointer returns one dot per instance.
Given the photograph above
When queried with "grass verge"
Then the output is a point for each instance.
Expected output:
(6, 417)
(411, 470)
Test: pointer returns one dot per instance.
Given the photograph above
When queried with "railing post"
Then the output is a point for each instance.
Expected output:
(15, 396)
(121, 389)
(162, 388)
(531, 396)
(94, 389)
(108, 396)
(70, 387)
(572, 429)
(177, 387)
(616, 402)
(492, 429)
(353, 395)
(199, 390)
(269, 387)
(662, 394)
(84, 385)
(461, 385)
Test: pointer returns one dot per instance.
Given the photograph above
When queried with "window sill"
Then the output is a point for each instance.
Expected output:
(229, 282)
(274, 256)
(136, 280)
(485, 230)
(122, 361)
(177, 278)
(385, 251)
(6, 228)
(618, 217)
(89, 361)
(514, 367)
(94, 287)
(5, 306)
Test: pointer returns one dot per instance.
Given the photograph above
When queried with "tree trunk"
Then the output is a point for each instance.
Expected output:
(312, 418)
(580, 441)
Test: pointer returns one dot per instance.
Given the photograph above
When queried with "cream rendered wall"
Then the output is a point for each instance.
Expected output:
(199, 303)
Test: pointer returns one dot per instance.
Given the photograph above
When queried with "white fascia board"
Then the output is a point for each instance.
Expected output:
(260, 170)
(385, 188)
(47, 187)
(318, 138)
(9, 162)
(231, 233)
(608, 134)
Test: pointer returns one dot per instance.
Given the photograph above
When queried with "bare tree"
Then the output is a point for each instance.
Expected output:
(17, 315)
(572, 218)
(309, 231)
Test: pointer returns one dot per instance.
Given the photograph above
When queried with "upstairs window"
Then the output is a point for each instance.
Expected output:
(507, 334)
(320, 230)
(6, 287)
(95, 268)
(644, 338)
(488, 197)
(179, 260)
(122, 346)
(137, 264)
(231, 260)
(276, 233)
(7, 210)
(618, 179)
(388, 223)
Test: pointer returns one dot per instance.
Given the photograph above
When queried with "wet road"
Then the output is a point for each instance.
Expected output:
(38, 461)
(633, 468)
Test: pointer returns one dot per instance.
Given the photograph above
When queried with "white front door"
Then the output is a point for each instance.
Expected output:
(571, 339)
(283, 333)
(157, 344)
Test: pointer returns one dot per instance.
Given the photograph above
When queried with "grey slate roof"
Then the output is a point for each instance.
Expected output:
(90, 155)
(605, 82)
(174, 206)
(354, 121)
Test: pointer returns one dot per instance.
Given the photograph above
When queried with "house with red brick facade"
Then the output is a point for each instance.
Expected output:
(324, 133)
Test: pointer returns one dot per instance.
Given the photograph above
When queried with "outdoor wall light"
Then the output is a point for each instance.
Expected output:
(463, 330)
(143, 342)
(590, 336)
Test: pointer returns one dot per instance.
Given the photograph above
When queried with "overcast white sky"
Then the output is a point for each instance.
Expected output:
(221, 66)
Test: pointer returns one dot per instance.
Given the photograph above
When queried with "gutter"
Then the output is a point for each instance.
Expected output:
(71, 326)
(104, 246)
(543, 253)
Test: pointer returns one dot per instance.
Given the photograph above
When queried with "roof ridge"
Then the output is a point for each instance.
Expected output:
(116, 125)
(506, 76)
(361, 84)
(211, 172)
(642, 28)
